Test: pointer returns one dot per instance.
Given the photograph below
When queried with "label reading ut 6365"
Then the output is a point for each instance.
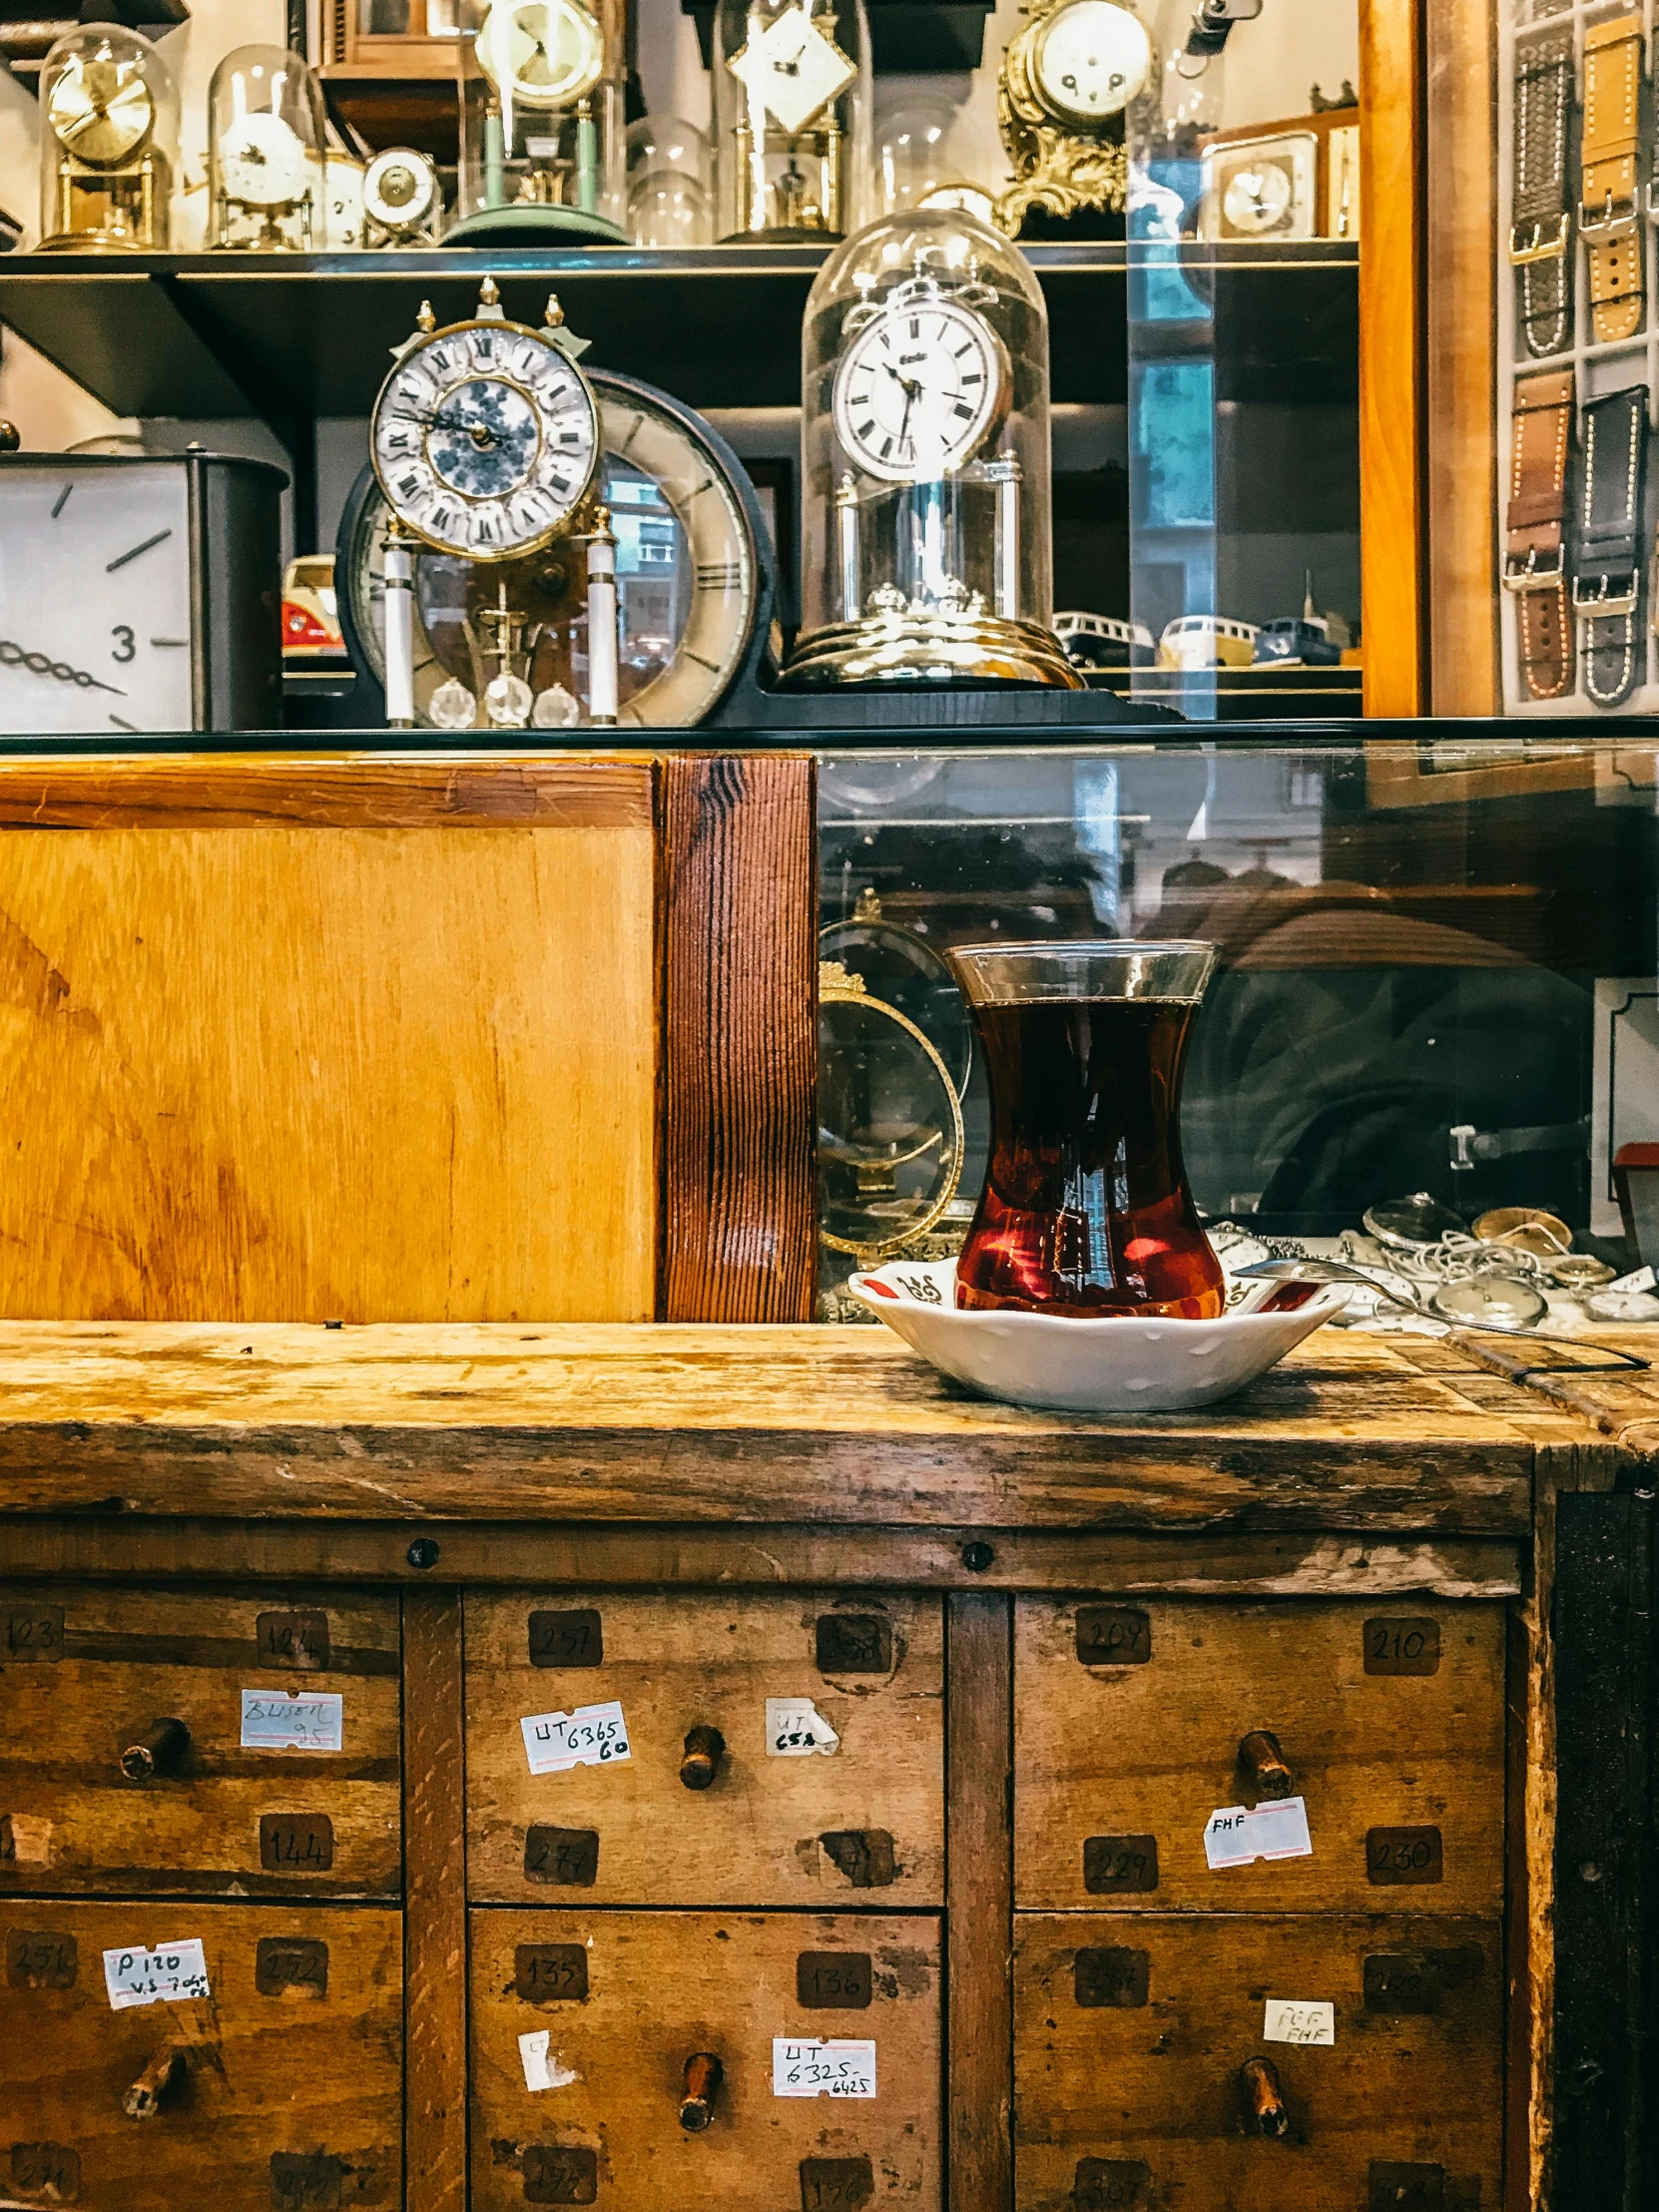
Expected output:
(592, 1736)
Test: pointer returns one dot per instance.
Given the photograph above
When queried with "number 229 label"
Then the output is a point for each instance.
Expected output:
(592, 1736)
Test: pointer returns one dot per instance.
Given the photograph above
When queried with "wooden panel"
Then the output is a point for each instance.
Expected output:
(1150, 1749)
(316, 1073)
(769, 1829)
(1143, 2077)
(661, 1987)
(740, 1038)
(1460, 188)
(980, 1894)
(1392, 547)
(810, 1424)
(87, 1671)
(435, 1912)
(288, 2094)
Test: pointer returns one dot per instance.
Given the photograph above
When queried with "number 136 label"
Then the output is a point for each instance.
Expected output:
(808, 2068)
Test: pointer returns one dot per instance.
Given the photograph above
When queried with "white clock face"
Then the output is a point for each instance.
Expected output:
(485, 438)
(261, 162)
(399, 188)
(792, 69)
(94, 597)
(1091, 60)
(545, 53)
(1258, 199)
(918, 389)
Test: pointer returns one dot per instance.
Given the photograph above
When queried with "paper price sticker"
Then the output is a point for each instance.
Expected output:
(796, 1729)
(806, 2067)
(592, 1736)
(543, 2068)
(1239, 1835)
(273, 1721)
(165, 1976)
(1299, 2023)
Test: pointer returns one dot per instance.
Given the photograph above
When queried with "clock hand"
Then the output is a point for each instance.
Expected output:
(42, 663)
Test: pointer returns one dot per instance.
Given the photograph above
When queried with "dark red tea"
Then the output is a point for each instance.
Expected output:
(1086, 1210)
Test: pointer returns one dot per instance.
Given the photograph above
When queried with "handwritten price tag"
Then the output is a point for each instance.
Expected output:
(165, 1976)
(809, 2069)
(796, 1729)
(1299, 2023)
(272, 1721)
(592, 1736)
(1239, 1835)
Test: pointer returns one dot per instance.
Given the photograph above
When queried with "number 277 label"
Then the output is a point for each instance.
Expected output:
(592, 1736)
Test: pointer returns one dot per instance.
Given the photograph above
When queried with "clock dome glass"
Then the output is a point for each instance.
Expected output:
(267, 153)
(109, 143)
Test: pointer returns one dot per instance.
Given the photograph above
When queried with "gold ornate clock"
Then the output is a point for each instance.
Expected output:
(1067, 77)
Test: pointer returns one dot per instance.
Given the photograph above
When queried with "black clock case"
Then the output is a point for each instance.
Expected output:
(236, 579)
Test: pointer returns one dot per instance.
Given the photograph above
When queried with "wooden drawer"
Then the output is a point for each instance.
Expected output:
(861, 1825)
(1128, 2057)
(626, 2000)
(1130, 1719)
(90, 1673)
(286, 2093)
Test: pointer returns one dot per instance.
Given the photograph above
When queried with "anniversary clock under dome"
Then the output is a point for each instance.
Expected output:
(926, 463)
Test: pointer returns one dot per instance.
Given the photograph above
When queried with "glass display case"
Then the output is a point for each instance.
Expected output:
(109, 143)
(541, 88)
(1432, 1040)
(267, 153)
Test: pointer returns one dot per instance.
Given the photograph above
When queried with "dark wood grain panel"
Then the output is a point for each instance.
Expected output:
(738, 890)
(980, 1893)
(435, 1827)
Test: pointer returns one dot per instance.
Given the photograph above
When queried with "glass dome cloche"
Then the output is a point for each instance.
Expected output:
(926, 508)
(266, 149)
(791, 118)
(109, 143)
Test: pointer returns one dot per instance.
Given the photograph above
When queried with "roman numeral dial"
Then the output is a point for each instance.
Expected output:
(920, 391)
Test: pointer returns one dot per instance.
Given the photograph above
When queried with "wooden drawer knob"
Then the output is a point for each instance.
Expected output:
(144, 2098)
(1261, 1764)
(161, 1751)
(1264, 2101)
(704, 2074)
(705, 1749)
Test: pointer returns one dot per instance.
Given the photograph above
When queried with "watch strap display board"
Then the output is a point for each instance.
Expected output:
(1535, 548)
(1608, 207)
(1607, 573)
(1541, 236)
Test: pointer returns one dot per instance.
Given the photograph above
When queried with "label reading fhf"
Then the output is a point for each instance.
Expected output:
(1237, 1834)
(592, 1736)
(168, 1975)
(802, 2066)
(1286, 2021)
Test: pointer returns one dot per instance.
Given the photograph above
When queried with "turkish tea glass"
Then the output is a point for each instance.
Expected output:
(1086, 1211)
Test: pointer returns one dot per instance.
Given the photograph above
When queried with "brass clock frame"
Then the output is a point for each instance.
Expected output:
(1059, 165)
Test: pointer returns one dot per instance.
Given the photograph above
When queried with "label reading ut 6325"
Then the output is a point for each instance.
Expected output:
(802, 2066)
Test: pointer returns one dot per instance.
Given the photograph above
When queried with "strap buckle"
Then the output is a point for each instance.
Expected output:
(1532, 577)
(1605, 601)
(1538, 247)
(1617, 219)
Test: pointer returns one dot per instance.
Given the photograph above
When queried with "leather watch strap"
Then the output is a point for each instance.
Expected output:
(1540, 242)
(1607, 202)
(1607, 574)
(1535, 548)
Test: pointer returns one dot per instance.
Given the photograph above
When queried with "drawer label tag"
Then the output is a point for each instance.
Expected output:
(1239, 1835)
(543, 2068)
(1287, 2022)
(796, 1729)
(804, 2067)
(592, 1736)
(165, 1976)
(273, 1721)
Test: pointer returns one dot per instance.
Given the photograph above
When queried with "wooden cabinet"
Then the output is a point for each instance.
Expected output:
(1132, 1721)
(654, 2038)
(1143, 2078)
(128, 1761)
(719, 1801)
(279, 2090)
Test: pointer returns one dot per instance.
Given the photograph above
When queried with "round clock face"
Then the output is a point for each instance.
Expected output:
(1091, 59)
(1258, 199)
(688, 584)
(919, 391)
(101, 112)
(261, 162)
(399, 188)
(545, 53)
(485, 438)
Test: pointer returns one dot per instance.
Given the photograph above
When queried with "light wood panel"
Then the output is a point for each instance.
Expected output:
(316, 1072)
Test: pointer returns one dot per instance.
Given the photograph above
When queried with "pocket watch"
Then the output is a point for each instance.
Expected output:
(485, 436)
(542, 53)
(1067, 77)
(922, 386)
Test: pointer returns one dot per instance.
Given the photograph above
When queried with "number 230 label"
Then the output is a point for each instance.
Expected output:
(592, 1736)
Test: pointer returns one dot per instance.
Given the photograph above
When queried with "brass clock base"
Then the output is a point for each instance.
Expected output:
(94, 242)
(526, 225)
(917, 649)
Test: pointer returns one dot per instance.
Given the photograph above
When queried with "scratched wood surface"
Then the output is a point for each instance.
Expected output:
(661, 1987)
(1131, 2100)
(288, 2094)
(1145, 1751)
(270, 1057)
(756, 1835)
(86, 1669)
(704, 1425)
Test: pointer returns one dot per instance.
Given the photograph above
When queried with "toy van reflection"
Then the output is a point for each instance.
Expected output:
(1102, 641)
(1207, 641)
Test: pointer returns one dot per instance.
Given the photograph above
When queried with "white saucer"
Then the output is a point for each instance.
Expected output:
(1088, 1366)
